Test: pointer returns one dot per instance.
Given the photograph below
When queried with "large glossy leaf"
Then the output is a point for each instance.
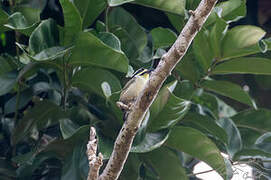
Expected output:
(162, 37)
(246, 154)
(173, 111)
(72, 21)
(27, 168)
(48, 54)
(25, 97)
(203, 51)
(89, 10)
(189, 67)
(176, 20)
(231, 10)
(64, 148)
(91, 79)
(207, 124)
(196, 144)
(131, 168)
(67, 128)
(234, 138)
(216, 35)
(3, 20)
(111, 40)
(18, 23)
(113, 3)
(228, 89)
(207, 100)
(7, 82)
(241, 41)
(174, 6)
(249, 136)
(6, 65)
(162, 98)
(165, 164)
(43, 37)
(131, 34)
(76, 165)
(43, 114)
(259, 120)
(248, 65)
(151, 141)
(89, 50)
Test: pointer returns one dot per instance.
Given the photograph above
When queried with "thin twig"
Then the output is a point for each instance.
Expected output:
(125, 138)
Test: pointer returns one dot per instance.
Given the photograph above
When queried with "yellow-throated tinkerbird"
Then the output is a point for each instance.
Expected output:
(132, 89)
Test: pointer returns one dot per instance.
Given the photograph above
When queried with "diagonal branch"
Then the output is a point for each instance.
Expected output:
(168, 62)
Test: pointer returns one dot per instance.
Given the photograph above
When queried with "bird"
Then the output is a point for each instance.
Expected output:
(132, 88)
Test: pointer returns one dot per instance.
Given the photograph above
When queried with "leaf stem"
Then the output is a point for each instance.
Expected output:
(107, 18)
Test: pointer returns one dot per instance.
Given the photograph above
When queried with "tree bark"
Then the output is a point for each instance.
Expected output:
(125, 138)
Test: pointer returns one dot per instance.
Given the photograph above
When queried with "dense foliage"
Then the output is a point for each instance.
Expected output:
(63, 64)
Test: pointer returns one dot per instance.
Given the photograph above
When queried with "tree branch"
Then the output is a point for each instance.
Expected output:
(95, 162)
(166, 65)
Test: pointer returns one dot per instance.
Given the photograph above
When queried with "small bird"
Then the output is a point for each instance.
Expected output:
(132, 89)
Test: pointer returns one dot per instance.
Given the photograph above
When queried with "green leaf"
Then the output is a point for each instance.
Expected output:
(110, 40)
(42, 115)
(43, 37)
(202, 50)
(207, 100)
(173, 111)
(131, 34)
(176, 20)
(162, 37)
(196, 144)
(91, 79)
(173, 6)
(3, 20)
(189, 67)
(89, 10)
(151, 141)
(165, 163)
(7, 82)
(26, 170)
(76, 165)
(48, 54)
(72, 21)
(234, 138)
(25, 97)
(265, 138)
(6, 65)
(208, 125)
(64, 148)
(131, 168)
(249, 136)
(228, 89)
(89, 50)
(241, 40)
(216, 35)
(247, 65)
(231, 10)
(18, 23)
(67, 128)
(246, 154)
(254, 119)
(113, 3)
(224, 109)
(184, 89)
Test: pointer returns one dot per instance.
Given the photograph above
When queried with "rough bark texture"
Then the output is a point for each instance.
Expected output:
(168, 62)
(95, 162)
